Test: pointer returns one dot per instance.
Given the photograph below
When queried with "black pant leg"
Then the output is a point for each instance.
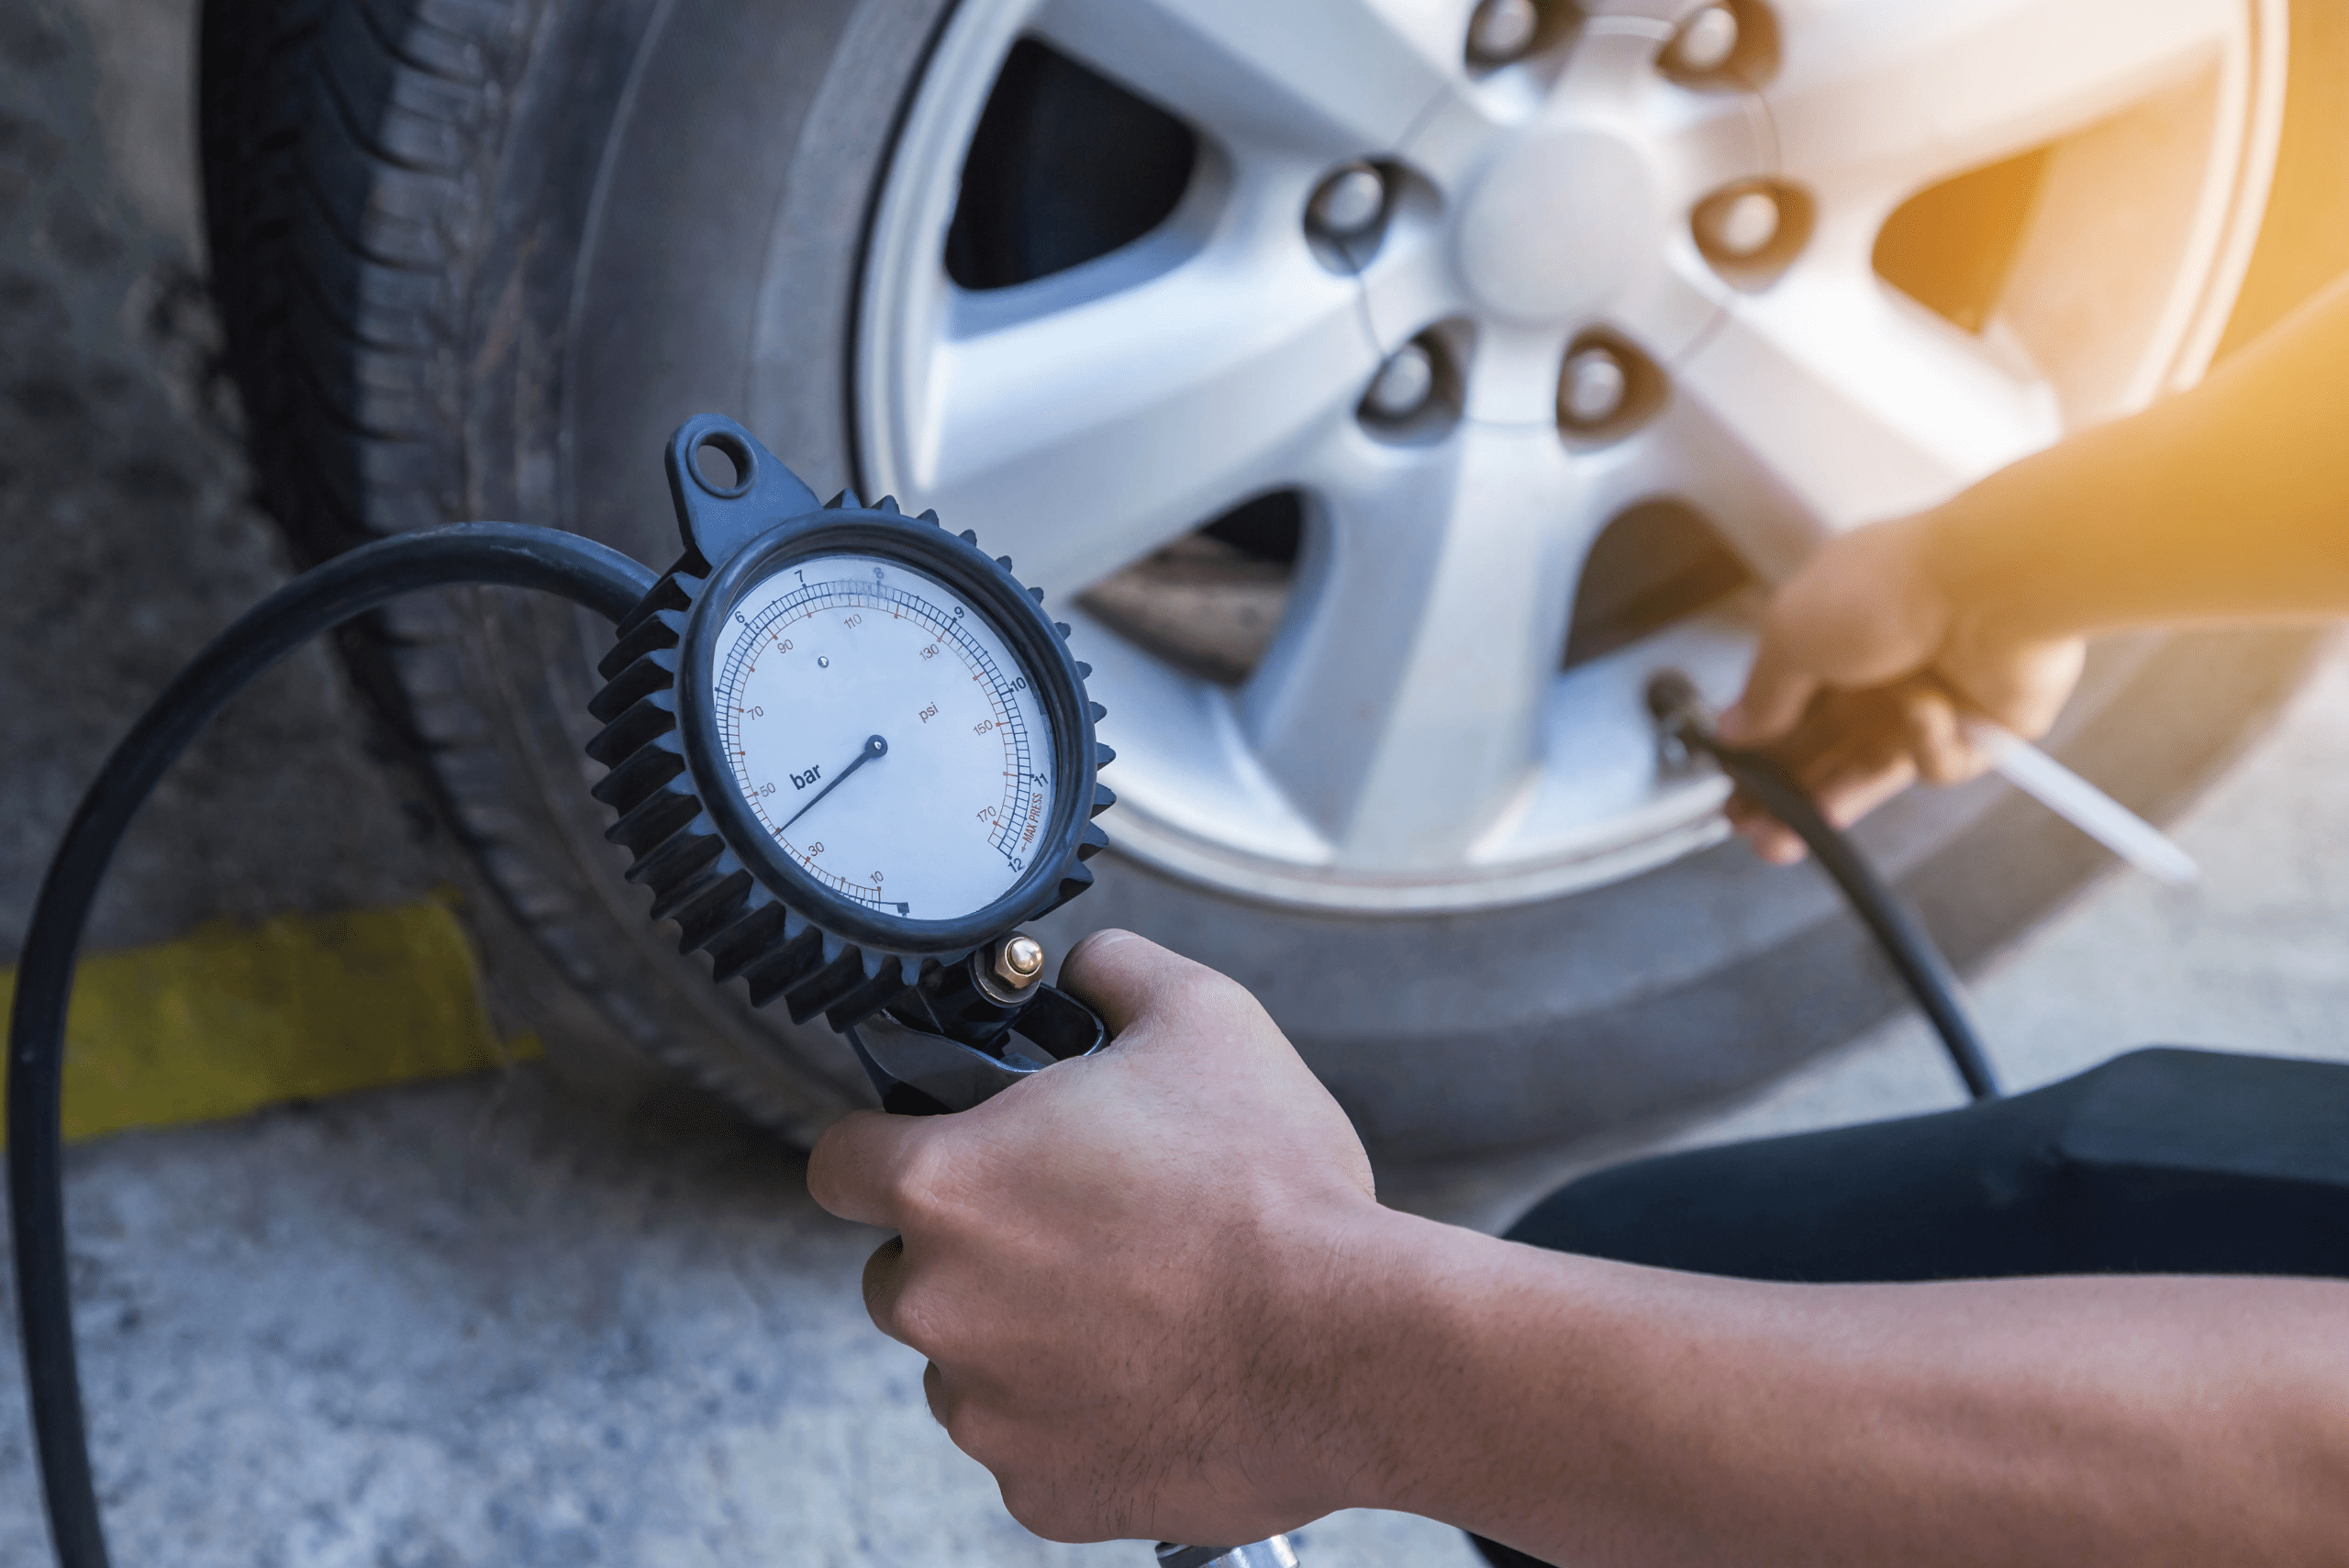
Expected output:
(2165, 1161)
(2161, 1161)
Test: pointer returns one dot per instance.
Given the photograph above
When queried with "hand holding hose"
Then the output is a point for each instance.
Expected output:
(2222, 503)
(1869, 666)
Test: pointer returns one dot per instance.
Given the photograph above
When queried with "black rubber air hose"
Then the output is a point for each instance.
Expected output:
(498, 554)
(1683, 715)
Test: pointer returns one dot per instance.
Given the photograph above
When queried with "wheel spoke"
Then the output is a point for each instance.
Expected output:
(1828, 402)
(1707, 140)
(1409, 286)
(1513, 376)
(1881, 98)
(1076, 430)
(1333, 78)
(1399, 708)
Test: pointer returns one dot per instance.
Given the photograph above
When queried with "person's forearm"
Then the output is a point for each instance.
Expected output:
(1593, 1412)
(2228, 502)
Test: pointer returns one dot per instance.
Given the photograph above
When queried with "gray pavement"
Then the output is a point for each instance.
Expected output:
(480, 1322)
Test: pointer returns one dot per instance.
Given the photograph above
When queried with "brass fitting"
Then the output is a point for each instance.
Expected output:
(1019, 960)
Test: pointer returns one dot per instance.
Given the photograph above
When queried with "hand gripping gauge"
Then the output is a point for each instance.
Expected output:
(850, 754)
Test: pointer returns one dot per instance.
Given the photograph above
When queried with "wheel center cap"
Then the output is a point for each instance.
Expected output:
(1555, 224)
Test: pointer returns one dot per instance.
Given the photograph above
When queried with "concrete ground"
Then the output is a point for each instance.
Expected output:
(477, 1322)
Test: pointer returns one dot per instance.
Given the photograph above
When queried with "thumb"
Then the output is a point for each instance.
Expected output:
(1123, 977)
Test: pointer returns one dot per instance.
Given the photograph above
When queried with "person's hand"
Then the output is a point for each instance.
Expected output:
(1128, 1271)
(1866, 671)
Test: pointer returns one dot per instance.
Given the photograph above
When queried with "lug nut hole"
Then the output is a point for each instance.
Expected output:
(1753, 230)
(1706, 42)
(1605, 388)
(1356, 207)
(1593, 388)
(1403, 385)
(1730, 45)
(1416, 395)
(1503, 31)
(1349, 203)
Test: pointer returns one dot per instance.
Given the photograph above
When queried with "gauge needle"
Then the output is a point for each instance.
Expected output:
(874, 747)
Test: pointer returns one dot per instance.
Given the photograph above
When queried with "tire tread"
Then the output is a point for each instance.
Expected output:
(349, 148)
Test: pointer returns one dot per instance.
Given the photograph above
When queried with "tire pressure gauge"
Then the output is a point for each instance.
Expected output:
(851, 755)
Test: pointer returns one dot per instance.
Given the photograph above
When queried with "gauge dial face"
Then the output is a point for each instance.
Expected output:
(885, 734)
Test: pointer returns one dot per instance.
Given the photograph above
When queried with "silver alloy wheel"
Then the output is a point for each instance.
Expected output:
(1408, 741)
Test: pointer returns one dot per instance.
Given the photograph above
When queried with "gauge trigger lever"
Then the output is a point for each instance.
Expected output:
(922, 1072)
(973, 1029)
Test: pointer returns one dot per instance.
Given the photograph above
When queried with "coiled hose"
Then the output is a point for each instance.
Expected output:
(504, 554)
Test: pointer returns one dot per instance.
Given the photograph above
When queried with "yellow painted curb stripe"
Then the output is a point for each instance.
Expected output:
(232, 1017)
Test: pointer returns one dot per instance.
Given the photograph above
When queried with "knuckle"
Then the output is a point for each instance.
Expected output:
(928, 1318)
(847, 1169)
(920, 1187)
(986, 1436)
(943, 1396)
(1204, 990)
(825, 1173)
(1196, 987)
(1049, 1509)
(884, 1278)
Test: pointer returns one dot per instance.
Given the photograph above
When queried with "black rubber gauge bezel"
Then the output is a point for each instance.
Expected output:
(713, 868)
(990, 592)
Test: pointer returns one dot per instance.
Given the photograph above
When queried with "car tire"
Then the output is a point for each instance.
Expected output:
(477, 258)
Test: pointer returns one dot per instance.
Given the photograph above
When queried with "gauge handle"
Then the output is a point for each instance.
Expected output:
(920, 1072)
